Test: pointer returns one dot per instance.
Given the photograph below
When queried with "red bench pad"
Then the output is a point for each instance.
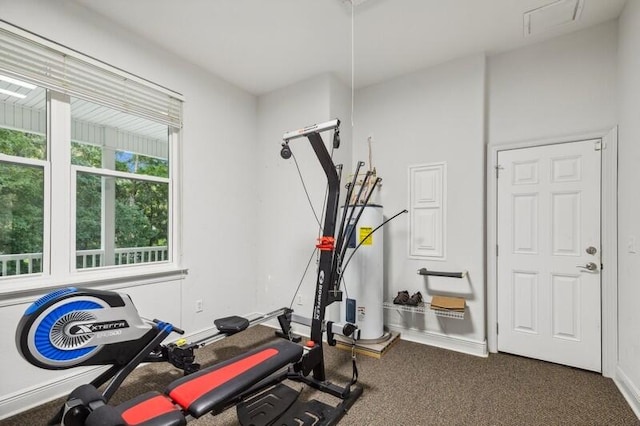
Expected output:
(211, 389)
(150, 409)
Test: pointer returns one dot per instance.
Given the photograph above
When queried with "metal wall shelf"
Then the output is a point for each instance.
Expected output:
(424, 308)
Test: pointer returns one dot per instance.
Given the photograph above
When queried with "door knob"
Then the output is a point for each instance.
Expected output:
(591, 266)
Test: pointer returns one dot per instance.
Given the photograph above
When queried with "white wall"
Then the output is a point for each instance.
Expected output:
(560, 87)
(218, 188)
(629, 202)
(287, 229)
(431, 116)
(247, 228)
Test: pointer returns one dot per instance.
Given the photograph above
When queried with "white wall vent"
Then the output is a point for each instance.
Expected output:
(552, 15)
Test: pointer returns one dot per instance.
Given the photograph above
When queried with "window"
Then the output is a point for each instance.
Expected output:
(87, 165)
(121, 174)
(23, 155)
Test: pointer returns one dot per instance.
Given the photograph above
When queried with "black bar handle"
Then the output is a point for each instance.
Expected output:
(173, 327)
(424, 271)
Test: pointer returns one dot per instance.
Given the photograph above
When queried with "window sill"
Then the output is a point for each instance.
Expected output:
(27, 289)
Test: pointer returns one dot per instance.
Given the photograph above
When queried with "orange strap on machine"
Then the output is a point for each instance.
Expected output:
(326, 243)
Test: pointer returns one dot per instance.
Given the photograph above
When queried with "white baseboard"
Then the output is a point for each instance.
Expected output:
(458, 344)
(629, 390)
(25, 399)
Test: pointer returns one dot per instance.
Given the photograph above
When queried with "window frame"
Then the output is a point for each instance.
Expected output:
(73, 250)
(59, 224)
(44, 165)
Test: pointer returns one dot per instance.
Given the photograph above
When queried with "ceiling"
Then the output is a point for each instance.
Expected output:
(264, 45)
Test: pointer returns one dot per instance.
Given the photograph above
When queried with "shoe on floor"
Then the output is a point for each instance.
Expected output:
(402, 298)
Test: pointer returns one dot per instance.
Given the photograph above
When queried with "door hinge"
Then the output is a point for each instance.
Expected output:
(598, 146)
(497, 328)
(498, 168)
(497, 251)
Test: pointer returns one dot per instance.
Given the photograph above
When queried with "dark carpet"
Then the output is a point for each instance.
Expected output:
(413, 384)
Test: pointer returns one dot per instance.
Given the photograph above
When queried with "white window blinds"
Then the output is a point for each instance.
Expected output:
(28, 57)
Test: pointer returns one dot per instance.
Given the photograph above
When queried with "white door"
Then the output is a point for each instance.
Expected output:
(549, 253)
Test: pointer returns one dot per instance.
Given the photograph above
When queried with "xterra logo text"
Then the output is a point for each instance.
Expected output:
(96, 327)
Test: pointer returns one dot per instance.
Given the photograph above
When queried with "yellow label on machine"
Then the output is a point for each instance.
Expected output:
(363, 234)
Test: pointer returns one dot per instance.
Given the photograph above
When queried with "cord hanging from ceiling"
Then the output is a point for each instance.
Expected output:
(353, 66)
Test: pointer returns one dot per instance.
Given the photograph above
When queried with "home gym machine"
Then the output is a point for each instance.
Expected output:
(73, 326)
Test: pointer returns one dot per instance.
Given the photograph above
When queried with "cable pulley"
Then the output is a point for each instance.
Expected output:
(285, 152)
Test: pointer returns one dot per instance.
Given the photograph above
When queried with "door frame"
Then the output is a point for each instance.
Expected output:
(608, 232)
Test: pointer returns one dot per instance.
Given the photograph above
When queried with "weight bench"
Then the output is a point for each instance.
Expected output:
(209, 390)
(112, 332)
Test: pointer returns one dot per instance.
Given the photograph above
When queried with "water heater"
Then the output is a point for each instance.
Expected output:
(363, 277)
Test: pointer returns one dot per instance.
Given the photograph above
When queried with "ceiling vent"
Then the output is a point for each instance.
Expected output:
(552, 15)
